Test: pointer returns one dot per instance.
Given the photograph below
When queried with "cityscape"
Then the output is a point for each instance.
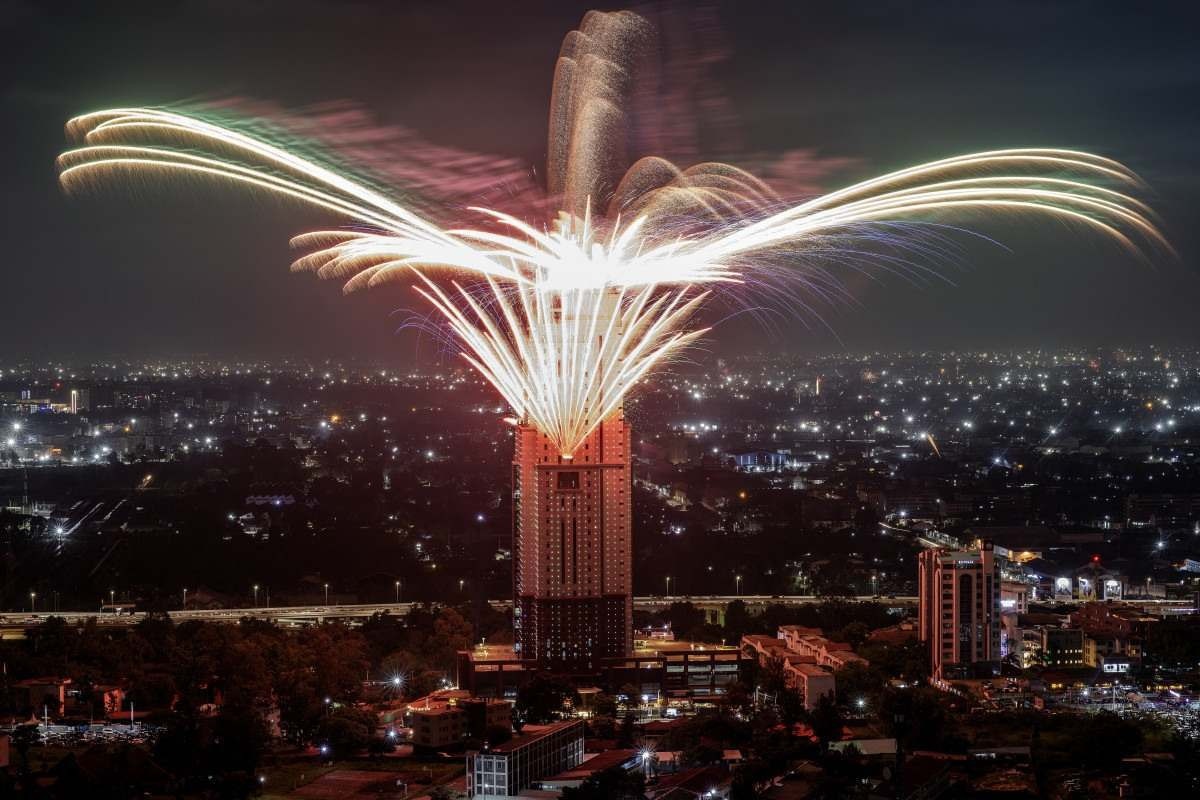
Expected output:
(631, 519)
(846, 496)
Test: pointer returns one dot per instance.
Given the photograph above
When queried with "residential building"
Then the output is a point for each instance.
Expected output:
(572, 548)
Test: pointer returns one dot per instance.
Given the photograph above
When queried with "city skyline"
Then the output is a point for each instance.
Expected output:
(807, 407)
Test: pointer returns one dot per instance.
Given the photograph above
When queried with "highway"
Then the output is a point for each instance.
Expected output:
(13, 625)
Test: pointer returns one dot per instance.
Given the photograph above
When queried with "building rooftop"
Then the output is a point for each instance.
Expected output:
(594, 763)
(531, 733)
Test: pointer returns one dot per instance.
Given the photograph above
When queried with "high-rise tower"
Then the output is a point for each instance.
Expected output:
(572, 548)
(959, 608)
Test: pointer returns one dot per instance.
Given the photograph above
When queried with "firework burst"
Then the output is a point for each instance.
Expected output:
(564, 319)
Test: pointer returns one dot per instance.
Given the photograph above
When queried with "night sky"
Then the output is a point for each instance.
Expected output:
(882, 84)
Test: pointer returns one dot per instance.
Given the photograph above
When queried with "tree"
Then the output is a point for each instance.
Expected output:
(347, 731)
(1103, 739)
(625, 734)
(770, 676)
(916, 717)
(380, 745)
(683, 618)
(240, 738)
(610, 784)
(738, 621)
(853, 634)
(857, 681)
(497, 734)
(826, 720)
(451, 633)
(604, 705)
(791, 707)
(23, 738)
(542, 699)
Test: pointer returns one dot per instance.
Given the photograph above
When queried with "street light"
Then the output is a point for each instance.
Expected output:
(185, 598)
(112, 597)
(327, 594)
(397, 592)
(33, 602)
(461, 582)
(256, 595)
(738, 584)
(668, 586)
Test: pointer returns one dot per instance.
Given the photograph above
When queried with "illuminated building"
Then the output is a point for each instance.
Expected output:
(540, 751)
(571, 548)
(959, 610)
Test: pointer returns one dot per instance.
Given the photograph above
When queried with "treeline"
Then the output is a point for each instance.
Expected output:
(841, 620)
(222, 692)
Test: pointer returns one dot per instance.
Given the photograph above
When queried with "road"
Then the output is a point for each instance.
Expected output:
(14, 624)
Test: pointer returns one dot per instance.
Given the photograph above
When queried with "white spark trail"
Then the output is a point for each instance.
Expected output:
(564, 320)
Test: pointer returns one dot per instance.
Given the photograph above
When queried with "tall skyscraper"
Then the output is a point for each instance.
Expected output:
(959, 610)
(572, 548)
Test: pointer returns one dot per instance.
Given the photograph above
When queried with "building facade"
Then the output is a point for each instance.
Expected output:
(959, 610)
(572, 549)
(541, 751)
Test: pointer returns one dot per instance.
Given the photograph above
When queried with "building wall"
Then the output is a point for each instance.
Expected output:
(505, 770)
(959, 609)
(810, 682)
(1063, 647)
(572, 548)
(439, 727)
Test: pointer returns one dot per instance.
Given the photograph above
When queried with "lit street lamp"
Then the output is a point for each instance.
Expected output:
(33, 602)
(738, 584)
(185, 598)
(256, 595)
(397, 592)
(327, 594)
(668, 586)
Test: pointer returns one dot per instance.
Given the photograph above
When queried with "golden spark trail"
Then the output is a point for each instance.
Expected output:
(564, 320)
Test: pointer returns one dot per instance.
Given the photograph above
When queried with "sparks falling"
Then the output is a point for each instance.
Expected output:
(564, 319)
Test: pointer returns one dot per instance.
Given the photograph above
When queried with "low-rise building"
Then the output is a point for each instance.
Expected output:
(812, 643)
(438, 727)
(810, 681)
(540, 751)
(1062, 647)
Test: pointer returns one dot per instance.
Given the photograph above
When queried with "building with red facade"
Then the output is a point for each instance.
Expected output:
(572, 549)
(959, 611)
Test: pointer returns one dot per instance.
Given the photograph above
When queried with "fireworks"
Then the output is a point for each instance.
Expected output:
(564, 320)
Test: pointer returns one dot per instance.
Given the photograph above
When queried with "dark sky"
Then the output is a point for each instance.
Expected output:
(888, 84)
